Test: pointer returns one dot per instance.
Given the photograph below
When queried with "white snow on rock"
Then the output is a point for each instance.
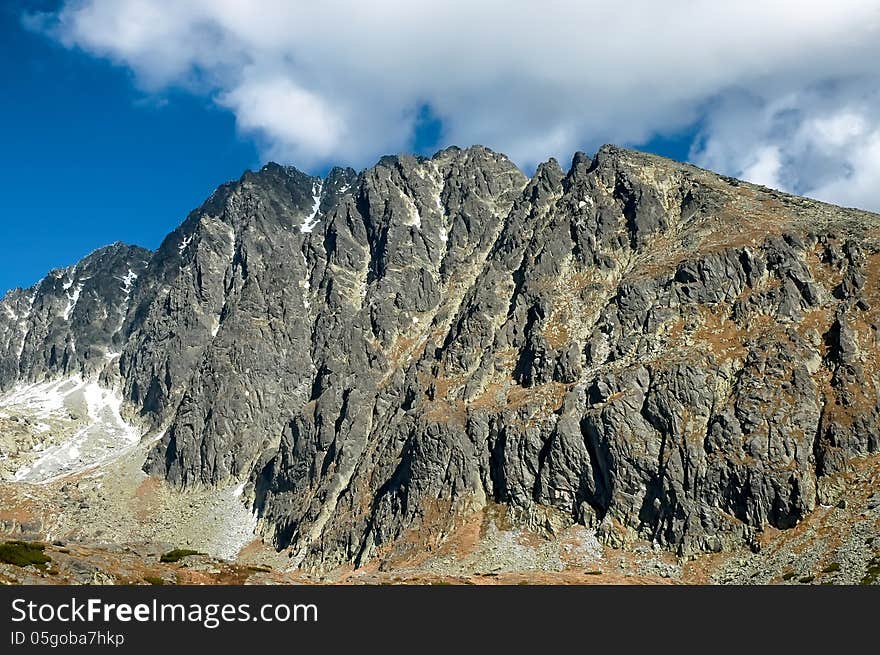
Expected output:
(128, 281)
(415, 218)
(72, 299)
(310, 223)
(42, 399)
(185, 243)
(104, 435)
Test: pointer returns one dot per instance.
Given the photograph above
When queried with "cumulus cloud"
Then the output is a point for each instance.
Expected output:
(822, 141)
(314, 132)
(780, 90)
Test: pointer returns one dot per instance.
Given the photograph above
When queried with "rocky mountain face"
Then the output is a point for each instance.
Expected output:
(72, 321)
(637, 345)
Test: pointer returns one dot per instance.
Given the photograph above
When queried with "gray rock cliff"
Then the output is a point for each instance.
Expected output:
(641, 346)
(71, 322)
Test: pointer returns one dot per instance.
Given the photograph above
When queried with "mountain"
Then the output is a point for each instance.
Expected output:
(639, 346)
(72, 320)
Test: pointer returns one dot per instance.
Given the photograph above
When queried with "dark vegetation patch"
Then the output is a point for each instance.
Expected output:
(176, 555)
(24, 553)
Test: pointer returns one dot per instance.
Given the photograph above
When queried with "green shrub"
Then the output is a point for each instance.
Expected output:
(834, 567)
(807, 579)
(873, 572)
(23, 553)
(177, 554)
(788, 575)
(154, 580)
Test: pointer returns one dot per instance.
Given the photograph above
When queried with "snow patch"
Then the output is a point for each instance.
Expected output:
(42, 399)
(185, 243)
(104, 437)
(128, 281)
(310, 223)
(72, 299)
(415, 218)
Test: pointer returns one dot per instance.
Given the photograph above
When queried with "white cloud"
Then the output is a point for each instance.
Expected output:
(822, 141)
(859, 183)
(765, 167)
(301, 121)
(343, 81)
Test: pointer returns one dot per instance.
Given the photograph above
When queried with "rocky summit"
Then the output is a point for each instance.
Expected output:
(650, 351)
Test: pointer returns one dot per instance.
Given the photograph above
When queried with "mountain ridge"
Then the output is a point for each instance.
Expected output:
(378, 354)
(579, 154)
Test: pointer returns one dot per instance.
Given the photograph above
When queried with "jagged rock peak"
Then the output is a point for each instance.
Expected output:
(70, 322)
(635, 344)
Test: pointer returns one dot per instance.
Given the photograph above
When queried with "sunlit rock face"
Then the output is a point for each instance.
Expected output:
(633, 344)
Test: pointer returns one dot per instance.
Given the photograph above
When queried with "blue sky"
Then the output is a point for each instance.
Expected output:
(120, 116)
(88, 160)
